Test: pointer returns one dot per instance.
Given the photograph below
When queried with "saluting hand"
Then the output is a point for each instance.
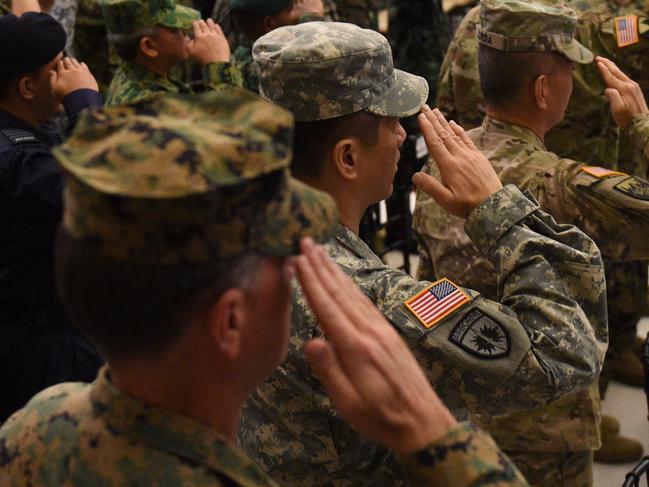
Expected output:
(623, 94)
(209, 44)
(71, 75)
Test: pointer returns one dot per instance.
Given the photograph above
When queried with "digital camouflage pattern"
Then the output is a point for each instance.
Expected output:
(130, 16)
(552, 285)
(518, 25)
(200, 178)
(615, 219)
(322, 70)
(133, 83)
(105, 437)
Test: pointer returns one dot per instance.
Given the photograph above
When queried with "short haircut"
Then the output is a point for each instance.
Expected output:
(504, 75)
(128, 309)
(127, 45)
(314, 140)
(6, 80)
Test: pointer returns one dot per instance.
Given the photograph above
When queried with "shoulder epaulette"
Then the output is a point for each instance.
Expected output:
(18, 137)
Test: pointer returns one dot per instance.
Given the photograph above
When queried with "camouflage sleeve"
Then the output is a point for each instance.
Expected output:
(216, 75)
(536, 344)
(639, 135)
(464, 456)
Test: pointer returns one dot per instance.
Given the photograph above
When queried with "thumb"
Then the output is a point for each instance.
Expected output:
(433, 188)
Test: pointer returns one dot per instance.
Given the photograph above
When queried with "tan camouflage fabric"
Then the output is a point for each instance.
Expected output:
(321, 70)
(130, 16)
(570, 469)
(133, 83)
(519, 25)
(102, 436)
(545, 338)
(608, 208)
(189, 179)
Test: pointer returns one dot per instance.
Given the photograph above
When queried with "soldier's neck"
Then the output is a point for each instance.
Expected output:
(151, 65)
(523, 119)
(23, 112)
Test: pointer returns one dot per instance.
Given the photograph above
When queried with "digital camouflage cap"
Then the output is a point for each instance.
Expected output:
(260, 7)
(130, 16)
(189, 179)
(322, 70)
(520, 25)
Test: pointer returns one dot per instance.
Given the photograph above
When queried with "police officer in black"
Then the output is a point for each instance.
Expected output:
(37, 346)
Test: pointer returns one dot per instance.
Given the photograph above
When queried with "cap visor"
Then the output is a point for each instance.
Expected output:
(298, 211)
(577, 53)
(181, 18)
(406, 97)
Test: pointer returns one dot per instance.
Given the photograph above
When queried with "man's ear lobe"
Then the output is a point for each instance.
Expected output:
(26, 88)
(226, 322)
(148, 47)
(345, 158)
(541, 92)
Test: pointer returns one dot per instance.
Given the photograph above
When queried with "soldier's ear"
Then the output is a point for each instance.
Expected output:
(541, 92)
(345, 155)
(148, 47)
(225, 321)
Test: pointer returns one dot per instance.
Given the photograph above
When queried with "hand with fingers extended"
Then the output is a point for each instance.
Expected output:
(71, 75)
(623, 94)
(369, 373)
(467, 178)
(209, 44)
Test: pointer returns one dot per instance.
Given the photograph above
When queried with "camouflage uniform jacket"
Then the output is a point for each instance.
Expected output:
(242, 59)
(83, 434)
(133, 83)
(611, 207)
(536, 354)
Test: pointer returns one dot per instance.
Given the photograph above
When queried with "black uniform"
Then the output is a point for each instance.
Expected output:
(37, 346)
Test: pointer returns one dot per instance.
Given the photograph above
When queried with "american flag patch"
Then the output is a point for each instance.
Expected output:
(436, 301)
(601, 172)
(626, 30)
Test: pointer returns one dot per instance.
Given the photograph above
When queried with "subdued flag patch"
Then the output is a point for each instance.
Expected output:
(601, 172)
(435, 302)
(626, 30)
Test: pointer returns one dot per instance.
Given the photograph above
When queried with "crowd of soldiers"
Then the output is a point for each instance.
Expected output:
(185, 298)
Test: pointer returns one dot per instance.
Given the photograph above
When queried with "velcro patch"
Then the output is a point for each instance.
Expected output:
(481, 336)
(601, 172)
(436, 302)
(626, 30)
(635, 187)
(17, 137)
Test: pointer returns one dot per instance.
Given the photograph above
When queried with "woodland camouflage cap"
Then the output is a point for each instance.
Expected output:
(520, 25)
(130, 16)
(322, 70)
(189, 179)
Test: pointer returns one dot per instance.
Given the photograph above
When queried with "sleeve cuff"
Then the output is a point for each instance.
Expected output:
(638, 131)
(215, 75)
(492, 218)
(79, 100)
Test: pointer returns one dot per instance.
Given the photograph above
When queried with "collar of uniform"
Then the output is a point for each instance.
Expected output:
(353, 242)
(174, 433)
(515, 131)
(10, 121)
(135, 72)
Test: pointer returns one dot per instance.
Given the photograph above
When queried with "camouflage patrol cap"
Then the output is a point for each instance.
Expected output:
(189, 179)
(322, 70)
(130, 16)
(521, 25)
(260, 7)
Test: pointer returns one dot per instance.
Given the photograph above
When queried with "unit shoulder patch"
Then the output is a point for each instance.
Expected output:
(481, 336)
(601, 172)
(626, 30)
(436, 302)
(635, 187)
(17, 137)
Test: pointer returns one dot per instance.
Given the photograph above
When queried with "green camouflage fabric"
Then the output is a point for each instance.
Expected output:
(518, 25)
(105, 437)
(133, 83)
(242, 59)
(322, 70)
(130, 16)
(549, 329)
(572, 469)
(222, 16)
(189, 179)
(607, 208)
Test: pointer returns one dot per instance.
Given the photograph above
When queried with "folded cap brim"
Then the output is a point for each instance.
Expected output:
(180, 18)
(577, 52)
(406, 97)
(297, 211)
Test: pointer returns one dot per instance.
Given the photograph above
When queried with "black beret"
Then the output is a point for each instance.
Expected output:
(29, 42)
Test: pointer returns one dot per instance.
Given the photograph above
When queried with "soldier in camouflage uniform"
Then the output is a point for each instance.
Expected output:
(587, 133)
(193, 223)
(161, 25)
(529, 356)
(550, 444)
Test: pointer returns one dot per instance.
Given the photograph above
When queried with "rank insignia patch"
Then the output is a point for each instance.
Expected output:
(635, 187)
(481, 336)
(601, 172)
(436, 302)
(626, 30)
